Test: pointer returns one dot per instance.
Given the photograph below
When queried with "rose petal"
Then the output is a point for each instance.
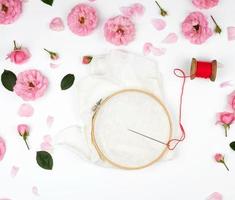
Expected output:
(47, 138)
(158, 51)
(215, 196)
(127, 11)
(35, 190)
(158, 24)
(226, 84)
(171, 38)
(50, 121)
(25, 110)
(56, 24)
(2, 148)
(231, 33)
(46, 146)
(14, 171)
(53, 65)
(138, 8)
(147, 48)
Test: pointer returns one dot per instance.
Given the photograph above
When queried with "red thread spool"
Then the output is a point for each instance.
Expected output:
(203, 69)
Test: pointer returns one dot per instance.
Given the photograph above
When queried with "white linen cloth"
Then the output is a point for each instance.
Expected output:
(109, 73)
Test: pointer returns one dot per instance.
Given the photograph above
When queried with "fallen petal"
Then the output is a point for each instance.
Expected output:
(158, 24)
(50, 121)
(14, 171)
(226, 84)
(215, 196)
(147, 48)
(138, 8)
(25, 110)
(47, 138)
(127, 11)
(171, 38)
(2, 148)
(56, 24)
(35, 190)
(53, 65)
(46, 146)
(231, 33)
(158, 51)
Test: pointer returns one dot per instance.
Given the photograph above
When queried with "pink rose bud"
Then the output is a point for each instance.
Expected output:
(86, 59)
(225, 119)
(19, 55)
(220, 159)
(53, 55)
(23, 130)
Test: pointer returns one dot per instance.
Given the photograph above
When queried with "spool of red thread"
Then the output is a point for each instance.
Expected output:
(203, 69)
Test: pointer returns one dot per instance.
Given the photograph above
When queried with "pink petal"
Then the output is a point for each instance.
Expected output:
(46, 146)
(231, 33)
(215, 196)
(147, 48)
(171, 38)
(226, 84)
(35, 191)
(138, 8)
(50, 121)
(158, 51)
(53, 66)
(47, 138)
(56, 24)
(2, 148)
(158, 24)
(25, 110)
(91, 0)
(127, 11)
(14, 171)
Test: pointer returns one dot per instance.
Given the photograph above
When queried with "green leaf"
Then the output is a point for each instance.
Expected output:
(232, 145)
(44, 160)
(8, 79)
(67, 81)
(48, 2)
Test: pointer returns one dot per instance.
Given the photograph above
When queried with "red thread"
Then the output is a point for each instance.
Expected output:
(204, 69)
(171, 144)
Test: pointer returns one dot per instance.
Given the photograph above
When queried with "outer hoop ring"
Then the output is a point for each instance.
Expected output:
(102, 154)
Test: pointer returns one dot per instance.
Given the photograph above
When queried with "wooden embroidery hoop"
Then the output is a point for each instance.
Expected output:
(105, 157)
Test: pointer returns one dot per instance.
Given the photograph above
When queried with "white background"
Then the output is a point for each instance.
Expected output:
(192, 175)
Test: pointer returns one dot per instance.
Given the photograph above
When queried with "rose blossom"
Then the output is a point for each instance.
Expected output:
(220, 159)
(195, 28)
(19, 55)
(10, 11)
(30, 85)
(231, 100)
(23, 130)
(205, 3)
(119, 30)
(82, 19)
(2, 148)
(225, 119)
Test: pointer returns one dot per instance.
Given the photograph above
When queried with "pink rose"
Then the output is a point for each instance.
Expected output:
(19, 55)
(23, 130)
(231, 100)
(225, 119)
(82, 19)
(119, 30)
(220, 159)
(2, 148)
(10, 11)
(30, 85)
(205, 3)
(195, 28)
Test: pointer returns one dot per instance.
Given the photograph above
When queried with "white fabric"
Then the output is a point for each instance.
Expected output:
(108, 74)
